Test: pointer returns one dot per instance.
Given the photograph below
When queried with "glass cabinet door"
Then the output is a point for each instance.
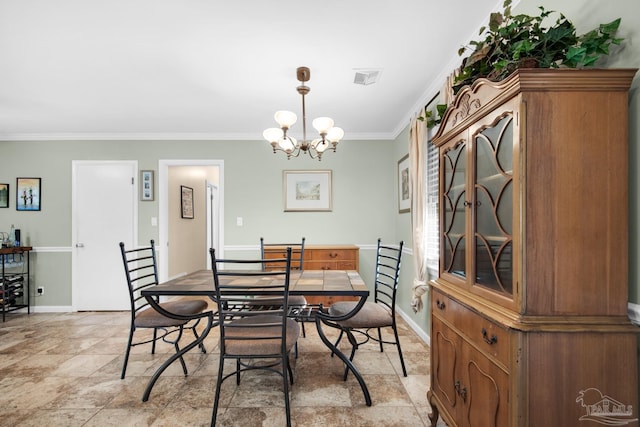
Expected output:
(453, 164)
(493, 206)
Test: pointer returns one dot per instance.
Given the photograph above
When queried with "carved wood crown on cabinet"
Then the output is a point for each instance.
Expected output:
(529, 321)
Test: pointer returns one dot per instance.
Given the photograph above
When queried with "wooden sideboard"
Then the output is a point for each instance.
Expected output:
(529, 322)
(323, 257)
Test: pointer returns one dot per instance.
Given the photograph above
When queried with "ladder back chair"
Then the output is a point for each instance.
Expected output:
(297, 263)
(141, 272)
(377, 314)
(248, 333)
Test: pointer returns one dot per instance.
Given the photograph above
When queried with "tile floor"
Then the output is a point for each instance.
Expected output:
(63, 369)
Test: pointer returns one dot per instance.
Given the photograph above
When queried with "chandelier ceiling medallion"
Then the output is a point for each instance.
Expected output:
(280, 141)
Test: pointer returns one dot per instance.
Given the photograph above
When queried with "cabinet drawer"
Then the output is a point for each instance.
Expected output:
(280, 253)
(330, 254)
(329, 265)
(481, 332)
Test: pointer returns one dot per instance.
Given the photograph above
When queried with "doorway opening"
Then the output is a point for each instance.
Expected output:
(184, 242)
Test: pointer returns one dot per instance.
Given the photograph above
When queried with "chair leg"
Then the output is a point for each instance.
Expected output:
(338, 340)
(285, 384)
(126, 354)
(354, 347)
(395, 333)
(289, 369)
(184, 365)
(201, 345)
(155, 338)
(237, 371)
(304, 333)
(380, 340)
(216, 398)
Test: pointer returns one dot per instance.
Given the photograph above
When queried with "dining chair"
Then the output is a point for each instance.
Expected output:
(141, 272)
(297, 263)
(379, 313)
(248, 334)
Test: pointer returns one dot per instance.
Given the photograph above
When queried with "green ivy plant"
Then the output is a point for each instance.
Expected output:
(433, 118)
(513, 41)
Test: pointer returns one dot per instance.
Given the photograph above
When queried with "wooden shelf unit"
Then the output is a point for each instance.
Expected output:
(15, 291)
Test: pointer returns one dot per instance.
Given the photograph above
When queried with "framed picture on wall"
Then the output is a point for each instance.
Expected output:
(146, 186)
(186, 201)
(307, 191)
(404, 198)
(28, 194)
(4, 195)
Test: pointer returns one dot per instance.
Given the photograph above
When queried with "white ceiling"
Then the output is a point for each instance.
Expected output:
(207, 69)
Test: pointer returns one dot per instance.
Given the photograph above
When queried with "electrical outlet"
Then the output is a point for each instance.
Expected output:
(40, 290)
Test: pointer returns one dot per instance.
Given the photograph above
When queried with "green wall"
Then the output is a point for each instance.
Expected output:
(364, 198)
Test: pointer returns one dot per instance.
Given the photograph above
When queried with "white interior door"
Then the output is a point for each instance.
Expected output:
(104, 214)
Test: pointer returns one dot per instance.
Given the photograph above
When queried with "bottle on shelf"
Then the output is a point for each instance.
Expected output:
(12, 236)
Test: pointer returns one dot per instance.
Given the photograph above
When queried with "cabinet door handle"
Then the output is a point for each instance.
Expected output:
(440, 304)
(461, 391)
(463, 394)
(485, 337)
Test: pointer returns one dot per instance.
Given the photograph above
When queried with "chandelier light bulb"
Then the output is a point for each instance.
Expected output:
(273, 134)
(322, 124)
(288, 143)
(335, 134)
(285, 119)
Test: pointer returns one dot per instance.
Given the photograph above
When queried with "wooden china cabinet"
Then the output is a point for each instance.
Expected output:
(529, 322)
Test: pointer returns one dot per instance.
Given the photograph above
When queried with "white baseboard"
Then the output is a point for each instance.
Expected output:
(51, 309)
(416, 328)
(634, 313)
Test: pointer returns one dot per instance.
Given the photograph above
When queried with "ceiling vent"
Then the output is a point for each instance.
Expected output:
(366, 77)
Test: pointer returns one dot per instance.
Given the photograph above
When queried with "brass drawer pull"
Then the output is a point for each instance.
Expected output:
(440, 304)
(490, 341)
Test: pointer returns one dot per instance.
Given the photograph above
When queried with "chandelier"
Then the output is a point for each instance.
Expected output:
(280, 141)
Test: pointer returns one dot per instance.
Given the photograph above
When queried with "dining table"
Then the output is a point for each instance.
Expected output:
(322, 283)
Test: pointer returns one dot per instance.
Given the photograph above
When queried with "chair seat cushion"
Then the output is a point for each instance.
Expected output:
(259, 347)
(150, 318)
(371, 315)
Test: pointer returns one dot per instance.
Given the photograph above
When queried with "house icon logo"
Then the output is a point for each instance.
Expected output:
(603, 409)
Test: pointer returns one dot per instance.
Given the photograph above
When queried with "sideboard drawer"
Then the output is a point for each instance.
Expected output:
(330, 265)
(484, 334)
(330, 254)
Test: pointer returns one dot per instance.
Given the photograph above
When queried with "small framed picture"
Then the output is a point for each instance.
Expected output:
(146, 186)
(186, 201)
(308, 191)
(28, 194)
(404, 197)
(4, 195)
